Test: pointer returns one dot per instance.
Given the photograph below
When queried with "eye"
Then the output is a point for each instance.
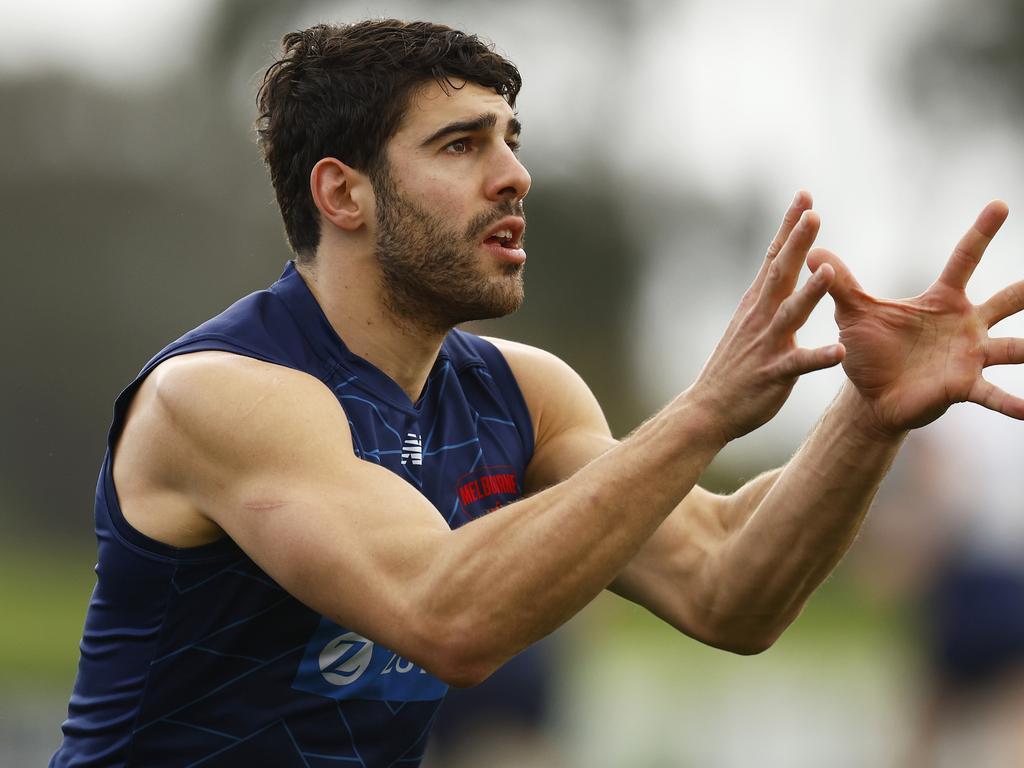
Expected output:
(514, 145)
(459, 146)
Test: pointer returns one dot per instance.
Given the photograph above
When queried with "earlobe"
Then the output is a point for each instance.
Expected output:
(339, 193)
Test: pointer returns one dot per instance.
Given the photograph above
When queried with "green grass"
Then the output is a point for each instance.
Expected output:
(43, 594)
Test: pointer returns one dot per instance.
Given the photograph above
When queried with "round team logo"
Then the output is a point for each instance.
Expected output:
(340, 667)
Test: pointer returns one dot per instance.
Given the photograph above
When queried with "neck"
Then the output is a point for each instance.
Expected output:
(349, 293)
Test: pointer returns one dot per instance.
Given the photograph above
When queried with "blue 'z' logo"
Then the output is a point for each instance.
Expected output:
(344, 665)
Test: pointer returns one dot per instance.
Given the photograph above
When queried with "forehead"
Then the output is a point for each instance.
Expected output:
(433, 106)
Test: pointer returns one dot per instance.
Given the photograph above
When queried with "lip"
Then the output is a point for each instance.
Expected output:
(514, 224)
(507, 254)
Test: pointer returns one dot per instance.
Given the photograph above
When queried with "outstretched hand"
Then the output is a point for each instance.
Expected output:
(755, 365)
(912, 358)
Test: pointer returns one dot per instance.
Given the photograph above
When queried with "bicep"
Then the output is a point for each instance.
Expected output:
(266, 454)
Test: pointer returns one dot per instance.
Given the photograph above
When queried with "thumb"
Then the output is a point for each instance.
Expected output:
(845, 287)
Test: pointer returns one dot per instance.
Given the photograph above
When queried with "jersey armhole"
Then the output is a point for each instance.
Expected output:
(128, 533)
(508, 386)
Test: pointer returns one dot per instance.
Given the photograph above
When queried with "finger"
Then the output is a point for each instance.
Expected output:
(795, 310)
(1006, 351)
(801, 203)
(969, 250)
(1004, 303)
(784, 270)
(988, 395)
(801, 360)
(844, 287)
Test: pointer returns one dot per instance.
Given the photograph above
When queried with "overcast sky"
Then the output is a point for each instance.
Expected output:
(119, 41)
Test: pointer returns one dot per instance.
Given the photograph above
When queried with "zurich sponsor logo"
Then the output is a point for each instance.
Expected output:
(339, 665)
(342, 664)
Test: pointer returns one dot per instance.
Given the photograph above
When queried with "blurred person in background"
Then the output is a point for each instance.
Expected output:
(275, 582)
(507, 720)
(947, 543)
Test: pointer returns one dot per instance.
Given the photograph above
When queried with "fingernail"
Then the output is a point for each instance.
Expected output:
(796, 197)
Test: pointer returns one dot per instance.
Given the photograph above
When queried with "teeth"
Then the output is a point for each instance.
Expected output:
(503, 234)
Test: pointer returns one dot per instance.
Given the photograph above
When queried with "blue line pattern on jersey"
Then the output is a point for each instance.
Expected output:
(351, 736)
(226, 569)
(219, 688)
(226, 627)
(440, 396)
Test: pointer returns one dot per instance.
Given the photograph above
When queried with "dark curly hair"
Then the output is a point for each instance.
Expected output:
(341, 91)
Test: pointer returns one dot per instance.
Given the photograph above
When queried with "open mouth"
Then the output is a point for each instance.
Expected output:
(503, 238)
(507, 233)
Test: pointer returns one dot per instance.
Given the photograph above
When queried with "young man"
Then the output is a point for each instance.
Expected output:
(324, 506)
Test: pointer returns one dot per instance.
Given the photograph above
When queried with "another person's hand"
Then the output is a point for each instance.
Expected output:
(755, 365)
(913, 358)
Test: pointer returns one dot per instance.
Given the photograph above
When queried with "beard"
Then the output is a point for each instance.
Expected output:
(432, 275)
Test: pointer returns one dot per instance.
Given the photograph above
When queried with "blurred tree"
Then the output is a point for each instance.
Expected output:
(120, 240)
(974, 53)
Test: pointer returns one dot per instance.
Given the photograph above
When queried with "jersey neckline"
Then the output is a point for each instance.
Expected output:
(291, 288)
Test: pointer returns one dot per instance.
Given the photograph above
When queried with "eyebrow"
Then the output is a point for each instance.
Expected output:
(473, 125)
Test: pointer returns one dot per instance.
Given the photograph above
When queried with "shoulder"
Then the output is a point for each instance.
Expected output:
(549, 386)
(206, 420)
(229, 386)
(568, 422)
(554, 392)
(540, 374)
(208, 430)
(217, 407)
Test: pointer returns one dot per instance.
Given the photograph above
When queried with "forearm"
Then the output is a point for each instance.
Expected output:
(510, 578)
(792, 526)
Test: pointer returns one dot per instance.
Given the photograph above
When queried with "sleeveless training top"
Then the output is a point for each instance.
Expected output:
(197, 657)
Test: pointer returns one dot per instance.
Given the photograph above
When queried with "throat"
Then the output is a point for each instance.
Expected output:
(407, 365)
(401, 349)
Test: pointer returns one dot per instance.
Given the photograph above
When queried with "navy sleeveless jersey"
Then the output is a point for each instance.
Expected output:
(195, 656)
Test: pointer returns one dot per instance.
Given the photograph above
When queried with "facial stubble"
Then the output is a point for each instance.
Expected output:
(432, 275)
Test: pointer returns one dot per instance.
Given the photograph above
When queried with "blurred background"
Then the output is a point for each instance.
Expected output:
(665, 139)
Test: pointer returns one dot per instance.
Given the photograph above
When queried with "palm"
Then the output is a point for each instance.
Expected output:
(932, 341)
(913, 358)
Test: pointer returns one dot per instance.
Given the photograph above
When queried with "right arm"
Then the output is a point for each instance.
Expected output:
(264, 454)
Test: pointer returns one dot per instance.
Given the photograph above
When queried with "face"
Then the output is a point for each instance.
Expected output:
(449, 211)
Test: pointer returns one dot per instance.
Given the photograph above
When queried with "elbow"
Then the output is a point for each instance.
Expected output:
(459, 674)
(461, 670)
(745, 626)
(744, 636)
(746, 644)
(459, 656)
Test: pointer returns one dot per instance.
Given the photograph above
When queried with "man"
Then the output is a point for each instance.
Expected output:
(283, 581)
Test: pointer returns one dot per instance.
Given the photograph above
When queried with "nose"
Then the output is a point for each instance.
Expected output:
(509, 178)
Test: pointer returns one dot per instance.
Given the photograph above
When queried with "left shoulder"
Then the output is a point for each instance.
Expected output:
(545, 379)
(562, 408)
(524, 356)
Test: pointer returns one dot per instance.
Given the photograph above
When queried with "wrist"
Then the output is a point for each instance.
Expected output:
(702, 418)
(857, 412)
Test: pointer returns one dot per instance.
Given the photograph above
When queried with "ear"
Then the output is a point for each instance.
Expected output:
(342, 194)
